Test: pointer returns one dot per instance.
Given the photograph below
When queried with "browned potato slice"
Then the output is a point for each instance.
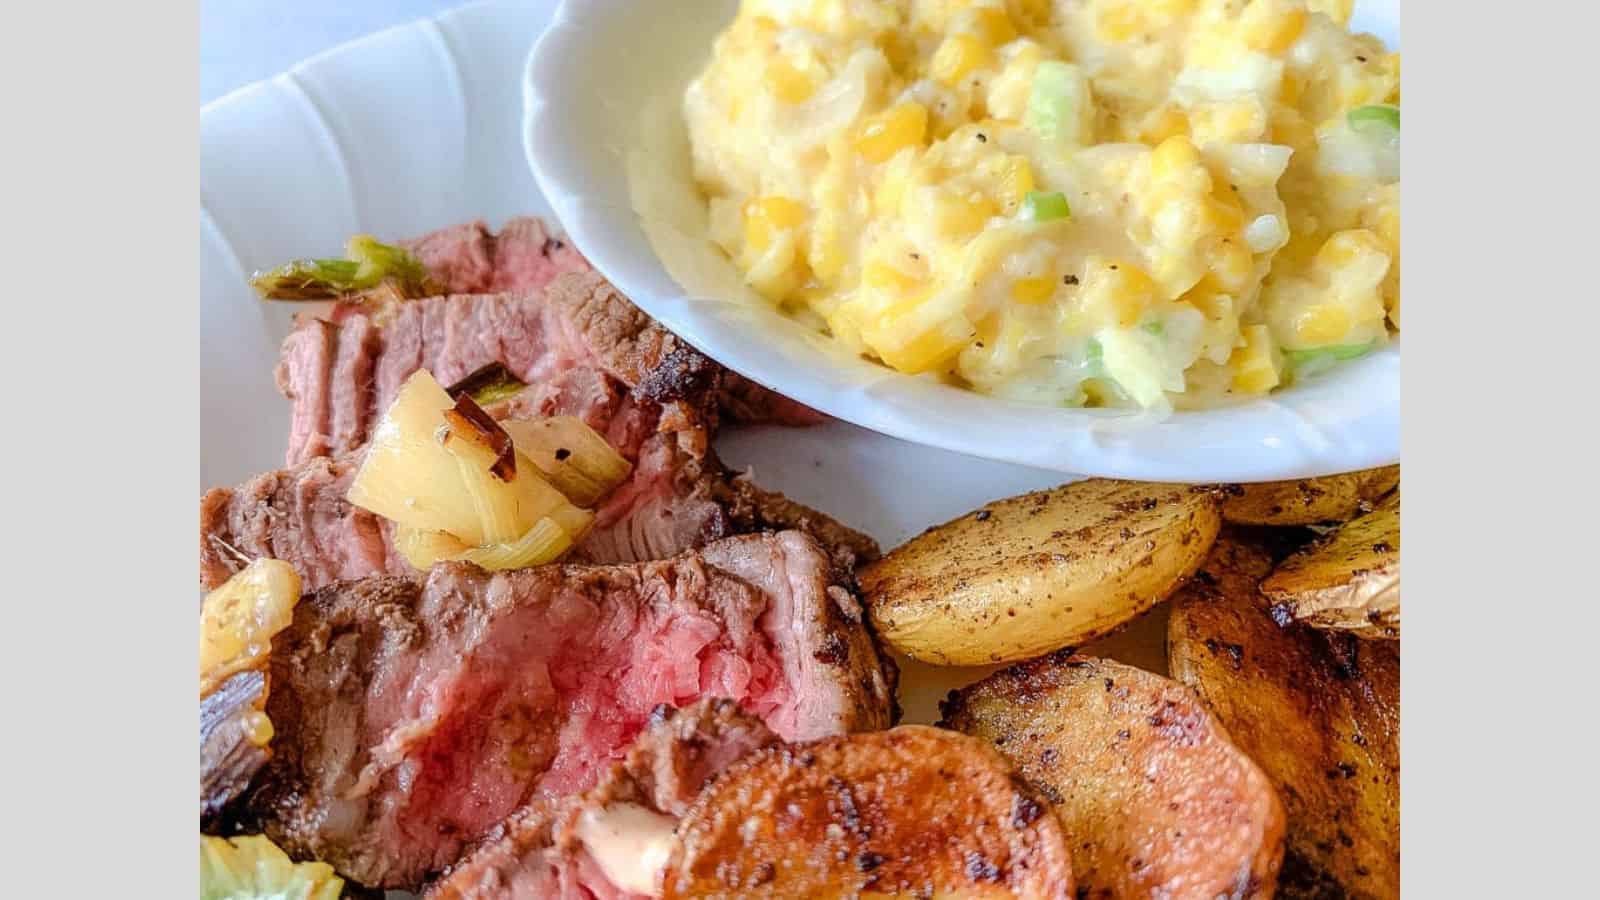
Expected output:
(1349, 580)
(914, 811)
(1034, 573)
(1307, 501)
(1319, 712)
(1157, 800)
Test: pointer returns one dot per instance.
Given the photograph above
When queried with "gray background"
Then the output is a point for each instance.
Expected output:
(242, 41)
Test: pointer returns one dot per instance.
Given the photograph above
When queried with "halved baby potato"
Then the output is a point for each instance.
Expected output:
(1307, 501)
(1318, 711)
(913, 812)
(1035, 573)
(1348, 580)
(1157, 800)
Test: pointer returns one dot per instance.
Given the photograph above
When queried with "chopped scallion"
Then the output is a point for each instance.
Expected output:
(1377, 116)
(1045, 206)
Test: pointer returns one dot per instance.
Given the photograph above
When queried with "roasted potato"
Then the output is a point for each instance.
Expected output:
(1157, 800)
(914, 811)
(1307, 501)
(1034, 573)
(1318, 711)
(1348, 580)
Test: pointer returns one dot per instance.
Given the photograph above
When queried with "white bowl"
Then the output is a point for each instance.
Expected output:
(608, 146)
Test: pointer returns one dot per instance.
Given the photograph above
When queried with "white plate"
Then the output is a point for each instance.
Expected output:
(419, 127)
(609, 148)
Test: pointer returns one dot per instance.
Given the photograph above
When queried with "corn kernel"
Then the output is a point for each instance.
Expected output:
(1119, 23)
(1167, 122)
(988, 24)
(1016, 180)
(1229, 122)
(1347, 248)
(1222, 213)
(1117, 294)
(1291, 129)
(891, 280)
(928, 350)
(1209, 298)
(889, 132)
(1325, 323)
(1232, 265)
(1171, 8)
(957, 56)
(1268, 27)
(1256, 366)
(1173, 157)
(788, 83)
(1033, 11)
(957, 214)
(1033, 290)
(764, 218)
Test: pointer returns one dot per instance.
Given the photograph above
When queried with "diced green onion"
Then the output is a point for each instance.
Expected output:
(1306, 363)
(1378, 116)
(367, 262)
(1059, 103)
(1045, 206)
(1154, 327)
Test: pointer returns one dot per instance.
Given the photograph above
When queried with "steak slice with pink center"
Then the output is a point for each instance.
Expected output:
(412, 717)
(539, 852)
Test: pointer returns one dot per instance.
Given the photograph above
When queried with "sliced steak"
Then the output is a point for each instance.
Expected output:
(414, 716)
(673, 501)
(581, 348)
(508, 305)
(468, 259)
(538, 853)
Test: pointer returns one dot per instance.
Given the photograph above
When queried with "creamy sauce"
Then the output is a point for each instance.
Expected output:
(631, 844)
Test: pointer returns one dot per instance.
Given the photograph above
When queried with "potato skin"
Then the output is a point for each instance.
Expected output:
(1318, 711)
(909, 811)
(1349, 580)
(1157, 799)
(1031, 574)
(1307, 501)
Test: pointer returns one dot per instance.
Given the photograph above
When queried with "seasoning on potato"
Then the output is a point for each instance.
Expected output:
(913, 811)
(1349, 580)
(1030, 574)
(1157, 799)
(1319, 712)
(1308, 501)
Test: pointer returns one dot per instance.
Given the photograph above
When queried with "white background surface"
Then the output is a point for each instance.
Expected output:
(247, 40)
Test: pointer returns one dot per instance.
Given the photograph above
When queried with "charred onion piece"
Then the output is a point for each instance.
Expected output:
(367, 264)
(487, 386)
(468, 420)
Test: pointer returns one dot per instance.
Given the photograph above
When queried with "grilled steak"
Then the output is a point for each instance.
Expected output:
(509, 305)
(412, 717)
(538, 853)
(672, 502)
(468, 259)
